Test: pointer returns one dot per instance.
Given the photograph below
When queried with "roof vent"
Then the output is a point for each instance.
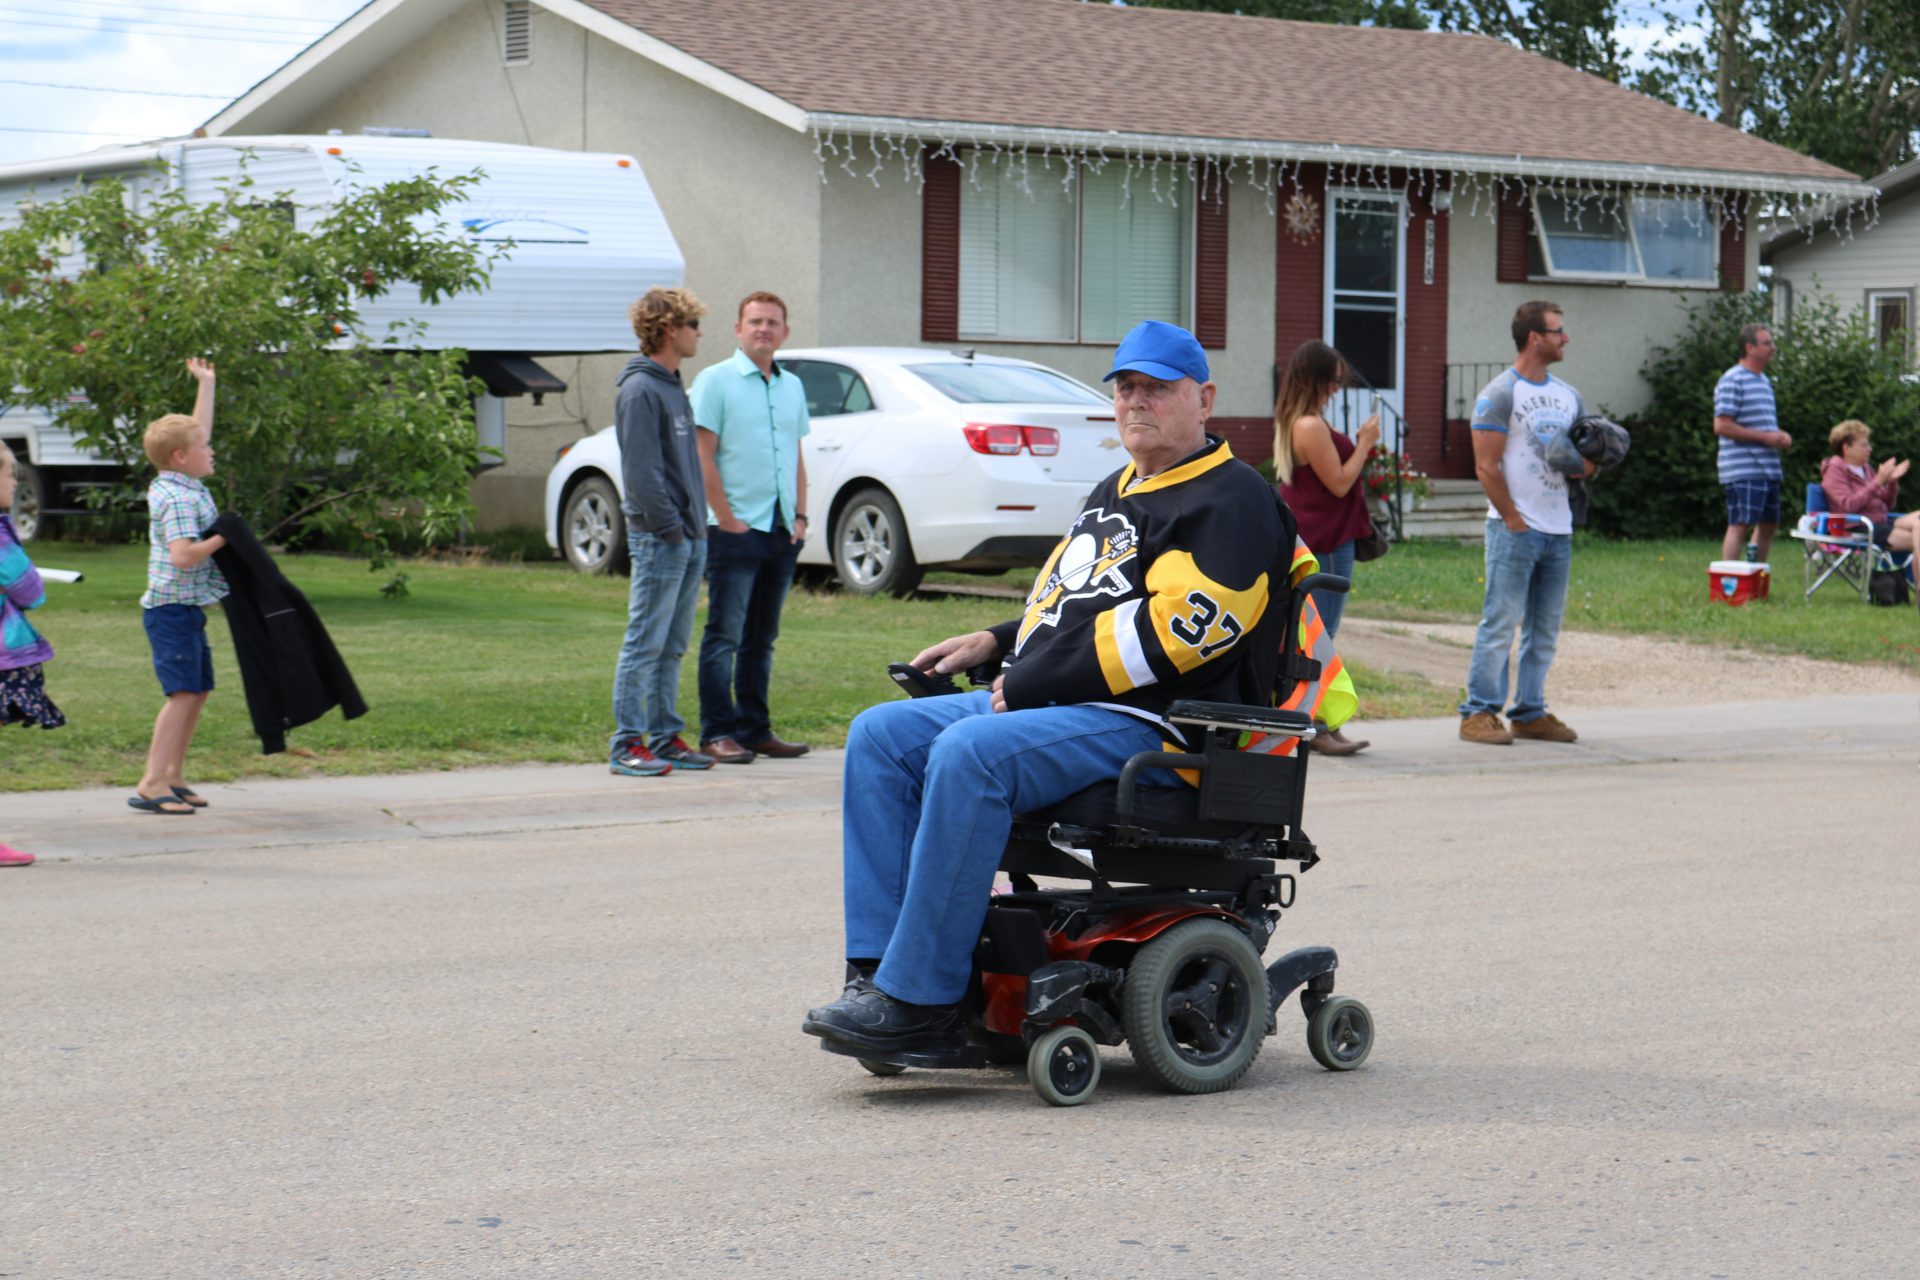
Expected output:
(393, 131)
(516, 33)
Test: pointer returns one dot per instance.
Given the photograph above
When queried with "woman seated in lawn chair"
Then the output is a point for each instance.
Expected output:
(1855, 487)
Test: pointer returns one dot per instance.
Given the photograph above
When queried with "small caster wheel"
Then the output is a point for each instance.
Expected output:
(1064, 1066)
(881, 1068)
(1340, 1033)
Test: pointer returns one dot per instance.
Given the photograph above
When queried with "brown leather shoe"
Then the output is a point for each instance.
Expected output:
(1332, 742)
(726, 751)
(1546, 728)
(771, 745)
(1485, 727)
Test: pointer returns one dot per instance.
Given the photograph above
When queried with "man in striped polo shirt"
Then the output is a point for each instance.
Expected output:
(1751, 442)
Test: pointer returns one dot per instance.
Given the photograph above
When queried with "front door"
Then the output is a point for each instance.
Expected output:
(1366, 305)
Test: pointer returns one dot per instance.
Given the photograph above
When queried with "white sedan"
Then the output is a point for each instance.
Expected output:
(918, 459)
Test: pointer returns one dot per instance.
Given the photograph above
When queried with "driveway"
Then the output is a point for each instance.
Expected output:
(1645, 1006)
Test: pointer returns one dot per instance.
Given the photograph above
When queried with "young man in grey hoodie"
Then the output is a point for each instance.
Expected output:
(666, 510)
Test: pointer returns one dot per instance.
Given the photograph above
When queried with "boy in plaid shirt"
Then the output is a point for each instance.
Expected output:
(181, 582)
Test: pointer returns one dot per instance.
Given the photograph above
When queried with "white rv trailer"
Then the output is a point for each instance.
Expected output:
(588, 238)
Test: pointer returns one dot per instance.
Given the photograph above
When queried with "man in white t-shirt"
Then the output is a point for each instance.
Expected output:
(1529, 533)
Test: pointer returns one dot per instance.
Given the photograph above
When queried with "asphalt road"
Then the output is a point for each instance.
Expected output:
(1646, 1007)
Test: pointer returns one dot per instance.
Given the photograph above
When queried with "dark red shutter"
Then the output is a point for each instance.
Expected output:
(1515, 225)
(1210, 265)
(1299, 285)
(1733, 245)
(940, 250)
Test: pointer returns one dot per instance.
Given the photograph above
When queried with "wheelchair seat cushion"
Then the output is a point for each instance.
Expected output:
(1172, 811)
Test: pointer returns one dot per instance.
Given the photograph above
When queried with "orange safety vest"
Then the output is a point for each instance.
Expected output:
(1329, 696)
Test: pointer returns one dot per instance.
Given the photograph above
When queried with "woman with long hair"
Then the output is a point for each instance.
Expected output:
(1318, 469)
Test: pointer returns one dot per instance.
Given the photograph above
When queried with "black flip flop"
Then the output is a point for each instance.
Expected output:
(188, 795)
(159, 805)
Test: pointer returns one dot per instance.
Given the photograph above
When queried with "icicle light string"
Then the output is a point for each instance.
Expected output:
(1477, 193)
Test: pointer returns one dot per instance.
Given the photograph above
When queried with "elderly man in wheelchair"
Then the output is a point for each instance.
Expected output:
(1147, 652)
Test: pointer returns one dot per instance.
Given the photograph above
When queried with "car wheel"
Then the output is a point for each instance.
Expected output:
(29, 498)
(871, 550)
(593, 528)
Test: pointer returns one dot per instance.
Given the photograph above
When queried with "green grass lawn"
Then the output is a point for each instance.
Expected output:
(1650, 588)
(489, 663)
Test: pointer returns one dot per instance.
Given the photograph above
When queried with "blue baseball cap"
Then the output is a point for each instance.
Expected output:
(1160, 350)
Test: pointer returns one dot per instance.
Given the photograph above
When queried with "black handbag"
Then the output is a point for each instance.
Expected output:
(1888, 587)
(1374, 545)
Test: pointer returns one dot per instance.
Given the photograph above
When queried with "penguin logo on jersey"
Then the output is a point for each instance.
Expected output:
(1091, 563)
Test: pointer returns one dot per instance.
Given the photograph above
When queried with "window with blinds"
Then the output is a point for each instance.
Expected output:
(1045, 259)
(516, 33)
(1136, 252)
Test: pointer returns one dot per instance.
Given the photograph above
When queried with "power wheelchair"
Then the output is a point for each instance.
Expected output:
(1162, 950)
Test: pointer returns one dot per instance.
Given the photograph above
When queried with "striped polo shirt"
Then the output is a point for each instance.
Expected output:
(1747, 398)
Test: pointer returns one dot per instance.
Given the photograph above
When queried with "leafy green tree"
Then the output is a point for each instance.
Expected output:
(1829, 368)
(1838, 81)
(318, 430)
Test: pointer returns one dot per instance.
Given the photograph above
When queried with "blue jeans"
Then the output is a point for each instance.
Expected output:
(1332, 604)
(665, 586)
(747, 579)
(1526, 589)
(931, 787)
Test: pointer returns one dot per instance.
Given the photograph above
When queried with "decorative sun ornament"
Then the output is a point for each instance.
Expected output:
(1303, 217)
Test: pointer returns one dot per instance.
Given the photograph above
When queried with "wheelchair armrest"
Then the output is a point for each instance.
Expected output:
(1130, 776)
(1238, 716)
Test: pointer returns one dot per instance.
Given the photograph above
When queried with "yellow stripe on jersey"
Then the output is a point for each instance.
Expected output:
(1108, 650)
(1192, 617)
(1126, 487)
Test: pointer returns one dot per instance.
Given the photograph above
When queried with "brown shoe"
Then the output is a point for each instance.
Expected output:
(1332, 742)
(772, 746)
(726, 751)
(1485, 727)
(1546, 728)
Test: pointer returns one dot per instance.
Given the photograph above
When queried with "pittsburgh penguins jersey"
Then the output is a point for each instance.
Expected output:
(1156, 593)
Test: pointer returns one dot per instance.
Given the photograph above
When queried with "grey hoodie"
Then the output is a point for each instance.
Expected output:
(659, 452)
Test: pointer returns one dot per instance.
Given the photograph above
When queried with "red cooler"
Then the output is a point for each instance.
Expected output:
(1736, 581)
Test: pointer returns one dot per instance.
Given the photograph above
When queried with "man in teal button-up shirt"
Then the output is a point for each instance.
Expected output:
(751, 417)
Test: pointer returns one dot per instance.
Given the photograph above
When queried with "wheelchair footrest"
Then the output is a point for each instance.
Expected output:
(1296, 968)
(968, 1058)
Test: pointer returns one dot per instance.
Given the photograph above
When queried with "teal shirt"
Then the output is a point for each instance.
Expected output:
(759, 422)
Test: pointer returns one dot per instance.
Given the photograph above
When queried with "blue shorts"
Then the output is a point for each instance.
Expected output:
(1753, 501)
(182, 658)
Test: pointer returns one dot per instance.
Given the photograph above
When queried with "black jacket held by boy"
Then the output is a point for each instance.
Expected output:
(292, 673)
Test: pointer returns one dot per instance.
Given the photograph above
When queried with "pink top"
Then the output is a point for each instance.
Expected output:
(1852, 490)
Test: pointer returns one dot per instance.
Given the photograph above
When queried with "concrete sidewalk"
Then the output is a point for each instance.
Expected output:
(310, 812)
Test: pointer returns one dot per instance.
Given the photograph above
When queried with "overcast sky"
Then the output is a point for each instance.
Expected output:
(133, 71)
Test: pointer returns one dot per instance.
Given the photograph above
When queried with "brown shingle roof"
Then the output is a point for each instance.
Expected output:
(1062, 64)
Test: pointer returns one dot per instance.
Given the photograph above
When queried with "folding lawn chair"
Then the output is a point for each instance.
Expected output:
(1840, 545)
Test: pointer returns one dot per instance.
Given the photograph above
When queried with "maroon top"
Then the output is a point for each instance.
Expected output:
(1326, 521)
(1851, 489)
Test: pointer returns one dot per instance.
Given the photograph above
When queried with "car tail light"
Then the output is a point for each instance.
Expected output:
(1005, 438)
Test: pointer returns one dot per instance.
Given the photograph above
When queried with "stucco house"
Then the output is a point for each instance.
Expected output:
(1876, 268)
(1029, 177)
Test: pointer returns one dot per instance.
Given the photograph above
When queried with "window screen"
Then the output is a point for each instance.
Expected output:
(1017, 251)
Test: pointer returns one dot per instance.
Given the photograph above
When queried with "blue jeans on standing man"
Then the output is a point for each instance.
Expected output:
(929, 793)
(748, 575)
(664, 588)
(1526, 589)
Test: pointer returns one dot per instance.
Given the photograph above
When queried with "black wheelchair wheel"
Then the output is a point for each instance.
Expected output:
(881, 1068)
(1340, 1033)
(1064, 1066)
(1195, 1007)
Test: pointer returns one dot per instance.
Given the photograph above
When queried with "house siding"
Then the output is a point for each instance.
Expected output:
(742, 194)
(1615, 327)
(1885, 256)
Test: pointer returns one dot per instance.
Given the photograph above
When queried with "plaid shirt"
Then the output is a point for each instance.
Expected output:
(178, 506)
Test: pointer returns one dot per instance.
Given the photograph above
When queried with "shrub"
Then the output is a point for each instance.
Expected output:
(1829, 368)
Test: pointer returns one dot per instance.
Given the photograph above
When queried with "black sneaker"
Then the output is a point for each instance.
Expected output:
(859, 978)
(872, 1019)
